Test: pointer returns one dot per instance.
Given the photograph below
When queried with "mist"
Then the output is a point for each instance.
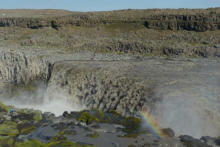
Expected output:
(190, 110)
(51, 100)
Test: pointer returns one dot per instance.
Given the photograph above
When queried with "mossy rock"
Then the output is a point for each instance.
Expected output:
(70, 132)
(53, 143)
(6, 141)
(93, 135)
(37, 116)
(101, 114)
(24, 116)
(8, 129)
(114, 112)
(87, 117)
(4, 108)
(30, 143)
(26, 128)
(116, 117)
(132, 124)
(62, 141)
(131, 135)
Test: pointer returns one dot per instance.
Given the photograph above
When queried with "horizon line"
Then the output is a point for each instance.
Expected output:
(114, 9)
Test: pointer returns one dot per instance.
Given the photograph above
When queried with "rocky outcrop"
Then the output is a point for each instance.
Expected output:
(20, 68)
(182, 19)
(89, 85)
(198, 22)
(98, 87)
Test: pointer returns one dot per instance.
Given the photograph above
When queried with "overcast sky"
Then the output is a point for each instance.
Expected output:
(101, 5)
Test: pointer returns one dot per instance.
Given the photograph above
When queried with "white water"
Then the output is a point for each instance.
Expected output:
(54, 101)
(190, 109)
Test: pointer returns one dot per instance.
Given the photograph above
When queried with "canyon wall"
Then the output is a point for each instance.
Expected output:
(166, 19)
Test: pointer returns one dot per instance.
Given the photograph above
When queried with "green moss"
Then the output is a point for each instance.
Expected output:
(30, 143)
(4, 108)
(102, 115)
(94, 135)
(131, 135)
(113, 112)
(132, 124)
(87, 117)
(27, 130)
(62, 141)
(8, 129)
(72, 132)
(37, 116)
(6, 141)
(53, 143)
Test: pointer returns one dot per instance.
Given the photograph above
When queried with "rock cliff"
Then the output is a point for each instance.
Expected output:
(169, 19)
(89, 85)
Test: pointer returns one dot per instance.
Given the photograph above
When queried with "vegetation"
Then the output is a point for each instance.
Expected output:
(138, 32)
(132, 123)
(59, 140)
(4, 108)
(53, 143)
(94, 135)
(87, 117)
(8, 128)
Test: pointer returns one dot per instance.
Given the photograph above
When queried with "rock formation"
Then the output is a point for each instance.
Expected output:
(182, 19)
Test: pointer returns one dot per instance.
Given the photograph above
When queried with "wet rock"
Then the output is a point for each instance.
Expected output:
(84, 144)
(44, 134)
(23, 116)
(59, 126)
(70, 132)
(115, 145)
(217, 141)
(211, 140)
(192, 142)
(65, 114)
(168, 132)
(48, 115)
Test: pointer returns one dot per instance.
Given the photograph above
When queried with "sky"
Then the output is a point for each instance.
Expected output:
(103, 5)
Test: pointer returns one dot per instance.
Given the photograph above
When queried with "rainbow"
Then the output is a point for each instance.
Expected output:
(152, 124)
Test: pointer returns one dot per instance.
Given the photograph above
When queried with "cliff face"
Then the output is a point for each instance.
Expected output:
(94, 86)
(84, 84)
(45, 46)
(20, 68)
(200, 22)
(182, 19)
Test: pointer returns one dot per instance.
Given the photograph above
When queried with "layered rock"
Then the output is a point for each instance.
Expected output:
(20, 68)
(182, 19)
